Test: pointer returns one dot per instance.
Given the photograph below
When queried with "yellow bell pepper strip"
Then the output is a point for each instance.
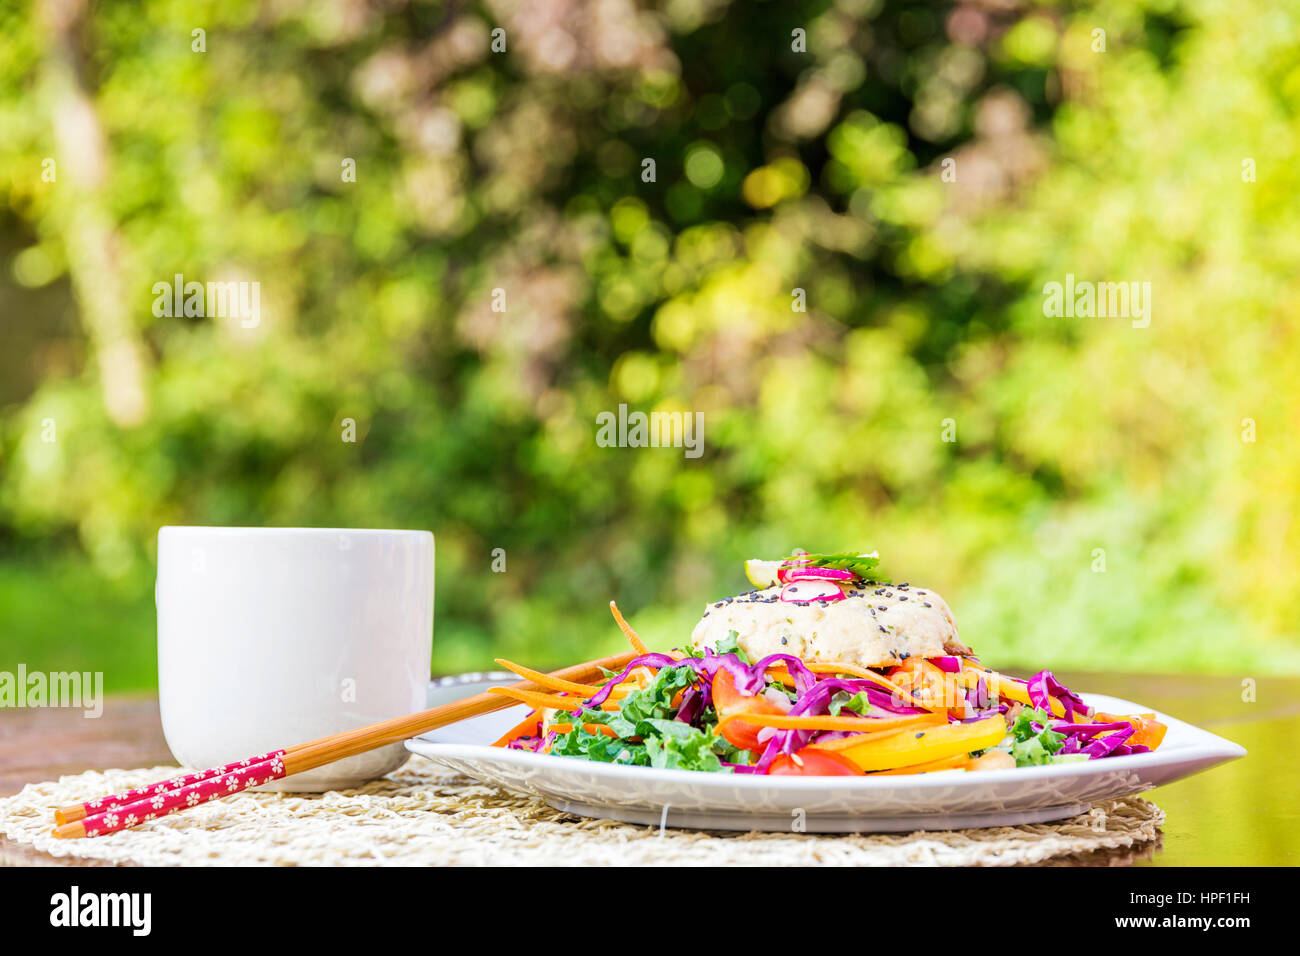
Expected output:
(827, 722)
(923, 746)
(947, 763)
(856, 740)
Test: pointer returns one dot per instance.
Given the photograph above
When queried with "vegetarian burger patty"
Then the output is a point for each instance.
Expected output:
(874, 626)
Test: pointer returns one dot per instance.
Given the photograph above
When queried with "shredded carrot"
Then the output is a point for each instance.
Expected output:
(542, 700)
(589, 728)
(907, 667)
(641, 676)
(546, 680)
(780, 674)
(827, 722)
(528, 727)
(626, 628)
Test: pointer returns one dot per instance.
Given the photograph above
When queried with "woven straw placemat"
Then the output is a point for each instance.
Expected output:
(425, 814)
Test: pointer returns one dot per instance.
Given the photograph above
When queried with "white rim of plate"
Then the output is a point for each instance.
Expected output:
(1208, 745)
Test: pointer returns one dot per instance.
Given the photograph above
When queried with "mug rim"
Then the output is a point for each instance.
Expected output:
(277, 530)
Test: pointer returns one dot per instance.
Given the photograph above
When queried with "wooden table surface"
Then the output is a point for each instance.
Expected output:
(1243, 813)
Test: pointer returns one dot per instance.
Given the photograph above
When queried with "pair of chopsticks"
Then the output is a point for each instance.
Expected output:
(130, 808)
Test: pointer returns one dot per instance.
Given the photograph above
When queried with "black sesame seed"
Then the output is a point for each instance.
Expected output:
(920, 735)
(785, 640)
(882, 629)
(902, 597)
(926, 604)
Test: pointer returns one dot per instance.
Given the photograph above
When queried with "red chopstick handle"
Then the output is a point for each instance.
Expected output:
(117, 800)
(219, 782)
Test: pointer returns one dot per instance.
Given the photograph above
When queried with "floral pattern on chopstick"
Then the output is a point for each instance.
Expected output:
(118, 800)
(159, 801)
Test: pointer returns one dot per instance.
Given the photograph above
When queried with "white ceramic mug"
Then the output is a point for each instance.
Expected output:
(270, 637)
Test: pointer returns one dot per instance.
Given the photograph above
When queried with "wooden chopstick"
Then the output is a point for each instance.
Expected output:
(132, 807)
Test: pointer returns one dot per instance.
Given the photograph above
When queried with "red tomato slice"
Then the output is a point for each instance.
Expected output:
(727, 701)
(815, 763)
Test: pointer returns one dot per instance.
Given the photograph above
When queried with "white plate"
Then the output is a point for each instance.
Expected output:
(939, 801)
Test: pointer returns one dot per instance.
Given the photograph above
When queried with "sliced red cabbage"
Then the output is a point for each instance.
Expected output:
(1061, 727)
(1103, 746)
(1043, 686)
(749, 680)
(979, 715)
(692, 704)
(804, 679)
(645, 660)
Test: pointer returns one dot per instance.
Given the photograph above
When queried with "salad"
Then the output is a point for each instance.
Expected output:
(822, 669)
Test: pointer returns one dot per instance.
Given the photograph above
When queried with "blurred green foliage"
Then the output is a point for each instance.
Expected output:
(1113, 157)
